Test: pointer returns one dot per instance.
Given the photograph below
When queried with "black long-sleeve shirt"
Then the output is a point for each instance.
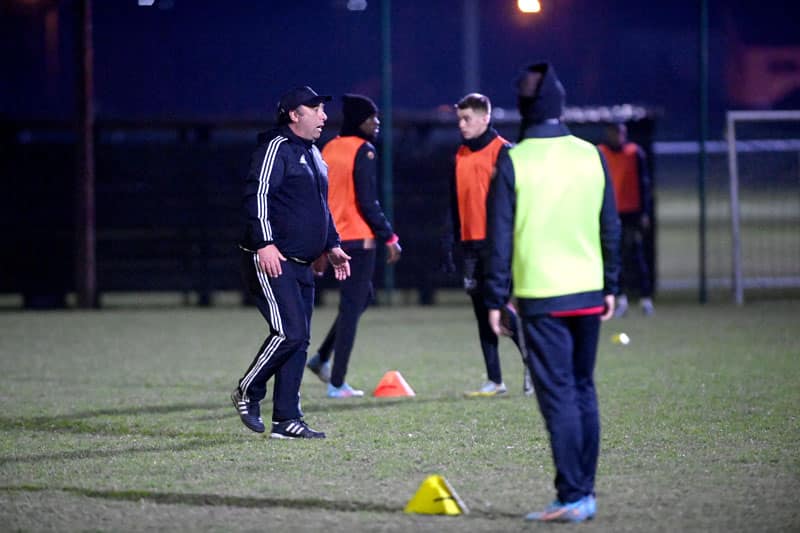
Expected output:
(365, 181)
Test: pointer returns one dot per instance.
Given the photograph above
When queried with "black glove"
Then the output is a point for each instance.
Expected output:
(470, 270)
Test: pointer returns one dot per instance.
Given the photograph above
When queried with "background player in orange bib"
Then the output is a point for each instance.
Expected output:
(359, 218)
(474, 166)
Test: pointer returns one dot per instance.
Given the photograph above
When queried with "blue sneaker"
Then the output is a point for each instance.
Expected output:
(249, 412)
(562, 512)
(591, 504)
(345, 391)
(320, 368)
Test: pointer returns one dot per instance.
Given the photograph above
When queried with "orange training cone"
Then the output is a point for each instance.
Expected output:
(393, 384)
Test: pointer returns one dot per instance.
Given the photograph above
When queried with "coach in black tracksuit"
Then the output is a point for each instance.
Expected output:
(288, 226)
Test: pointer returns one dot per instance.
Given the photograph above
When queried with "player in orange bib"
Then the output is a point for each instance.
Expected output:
(474, 166)
(359, 218)
(633, 193)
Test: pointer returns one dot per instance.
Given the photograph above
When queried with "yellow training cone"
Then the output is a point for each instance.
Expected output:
(436, 496)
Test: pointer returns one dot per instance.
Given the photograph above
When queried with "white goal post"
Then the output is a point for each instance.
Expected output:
(736, 246)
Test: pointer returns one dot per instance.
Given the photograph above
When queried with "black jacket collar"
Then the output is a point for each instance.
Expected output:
(482, 141)
(289, 134)
(545, 129)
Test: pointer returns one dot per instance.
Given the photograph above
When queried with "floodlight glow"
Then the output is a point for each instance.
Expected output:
(529, 6)
(356, 5)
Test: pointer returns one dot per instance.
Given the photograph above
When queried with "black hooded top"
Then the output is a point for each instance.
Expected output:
(540, 95)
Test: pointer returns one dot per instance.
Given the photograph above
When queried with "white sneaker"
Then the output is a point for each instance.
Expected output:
(527, 383)
(621, 307)
(490, 388)
(322, 370)
(647, 306)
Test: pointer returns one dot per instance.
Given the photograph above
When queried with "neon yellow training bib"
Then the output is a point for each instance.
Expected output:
(559, 185)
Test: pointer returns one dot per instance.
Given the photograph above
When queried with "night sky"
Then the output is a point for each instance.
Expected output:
(207, 58)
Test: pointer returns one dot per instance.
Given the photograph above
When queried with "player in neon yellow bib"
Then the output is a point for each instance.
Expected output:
(553, 229)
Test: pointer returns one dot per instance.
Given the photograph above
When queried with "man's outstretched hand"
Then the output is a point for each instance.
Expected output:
(341, 263)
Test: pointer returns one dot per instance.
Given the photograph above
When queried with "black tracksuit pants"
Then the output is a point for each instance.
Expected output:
(633, 256)
(286, 303)
(474, 284)
(354, 296)
(562, 352)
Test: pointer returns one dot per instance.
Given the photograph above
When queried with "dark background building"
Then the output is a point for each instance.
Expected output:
(205, 58)
(182, 86)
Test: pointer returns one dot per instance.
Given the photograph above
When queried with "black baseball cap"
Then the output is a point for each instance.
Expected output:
(300, 96)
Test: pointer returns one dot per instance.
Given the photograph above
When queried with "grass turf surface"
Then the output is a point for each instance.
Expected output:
(120, 420)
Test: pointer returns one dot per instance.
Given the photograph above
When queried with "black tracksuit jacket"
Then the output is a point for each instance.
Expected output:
(286, 198)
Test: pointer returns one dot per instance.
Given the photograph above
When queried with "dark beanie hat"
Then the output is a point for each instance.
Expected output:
(356, 109)
(540, 95)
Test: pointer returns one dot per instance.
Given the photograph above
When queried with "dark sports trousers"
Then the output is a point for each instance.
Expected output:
(562, 354)
(286, 302)
(474, 283)
(354, 295)
(633, 255)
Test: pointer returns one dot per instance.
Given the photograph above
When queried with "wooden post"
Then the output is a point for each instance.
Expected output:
(85, 268)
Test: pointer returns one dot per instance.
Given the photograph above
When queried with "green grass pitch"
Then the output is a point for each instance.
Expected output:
(119, 420)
